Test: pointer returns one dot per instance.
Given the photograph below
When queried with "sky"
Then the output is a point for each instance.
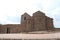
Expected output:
(11, 10)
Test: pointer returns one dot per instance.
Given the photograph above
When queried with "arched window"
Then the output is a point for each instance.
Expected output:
(24, 18)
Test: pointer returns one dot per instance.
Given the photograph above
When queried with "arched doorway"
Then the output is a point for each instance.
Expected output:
(8, 30)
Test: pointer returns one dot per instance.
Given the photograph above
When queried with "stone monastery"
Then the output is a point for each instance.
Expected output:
(38, 22)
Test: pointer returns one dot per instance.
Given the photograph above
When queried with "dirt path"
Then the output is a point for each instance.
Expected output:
(30, 36)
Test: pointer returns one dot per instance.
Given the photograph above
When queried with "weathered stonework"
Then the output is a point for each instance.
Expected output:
(38, 22)
(29, 39)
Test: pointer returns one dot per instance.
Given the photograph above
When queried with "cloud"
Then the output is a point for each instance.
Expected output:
(56, 16)
(51, 9)
(49, 5)
(11, 10)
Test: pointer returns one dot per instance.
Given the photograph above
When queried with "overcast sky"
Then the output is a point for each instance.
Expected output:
(11, 10)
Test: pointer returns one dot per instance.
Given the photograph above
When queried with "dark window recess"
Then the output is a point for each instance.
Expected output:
(24, 18)
(28, 21)
(8, 30)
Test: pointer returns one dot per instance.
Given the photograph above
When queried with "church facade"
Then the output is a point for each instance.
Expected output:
(38, 22)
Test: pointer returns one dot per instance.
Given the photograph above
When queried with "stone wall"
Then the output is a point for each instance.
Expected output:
(2, 29)
(10, 28)
(49, 23)
(29, 39)
(26, 22)
(39, 21)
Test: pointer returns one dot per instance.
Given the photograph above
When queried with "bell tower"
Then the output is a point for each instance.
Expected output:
(26, 22)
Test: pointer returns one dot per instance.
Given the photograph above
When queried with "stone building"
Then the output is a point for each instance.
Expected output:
(38, 22)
